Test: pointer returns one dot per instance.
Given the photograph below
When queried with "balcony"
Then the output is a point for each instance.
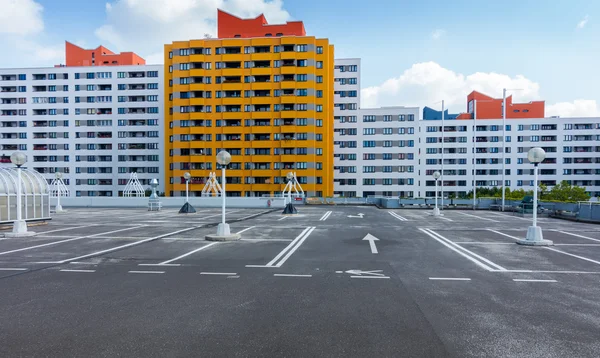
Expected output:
(5, 89)
(8, 112)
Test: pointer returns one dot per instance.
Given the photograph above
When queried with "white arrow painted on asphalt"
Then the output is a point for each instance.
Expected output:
(359, 216)
(372, 240)
(361, 272)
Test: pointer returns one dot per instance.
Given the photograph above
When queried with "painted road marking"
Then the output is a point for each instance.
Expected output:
(289, 275)
(145, 272)
(450, 278)
(13, 269)
(503, 234)
(84, 271)
(478, 217)
(69, 228)
(288, 250)
(401, 218)
(372, 240)
(477, 259)
(67, 240)
(577, 235)
(325, 216)
(282, 218)
(545, 271)
(219, 273)
(261, 240)
(246, 229)
(444, 218)
(369, 276)
(171, 265)
(126, 245)
(483, 243)
(188, 254)
(576, 256)
(531, 280)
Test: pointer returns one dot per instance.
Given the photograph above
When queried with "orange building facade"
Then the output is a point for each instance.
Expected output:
(491, 108)
(100, 56)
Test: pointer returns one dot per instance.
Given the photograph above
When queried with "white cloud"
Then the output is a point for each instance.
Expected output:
(438, 33)
(23, 25)
(581, 24)
(21, 17)
(428, 83)
(577, 108)
(144, 26)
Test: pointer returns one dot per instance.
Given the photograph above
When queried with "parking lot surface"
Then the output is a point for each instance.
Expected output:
(332, 281)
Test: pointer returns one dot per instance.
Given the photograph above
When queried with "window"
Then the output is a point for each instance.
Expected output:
(319, 108)
(319, 50)
(319, 79)
(319, 64)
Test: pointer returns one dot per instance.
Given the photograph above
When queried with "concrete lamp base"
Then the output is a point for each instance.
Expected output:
(436, 212)
(534, 238)
(290, 209)
(19, 230)
(187, 208)
(59, 209)
(223, 234)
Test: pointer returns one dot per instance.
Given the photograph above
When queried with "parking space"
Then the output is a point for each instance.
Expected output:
(357, 262)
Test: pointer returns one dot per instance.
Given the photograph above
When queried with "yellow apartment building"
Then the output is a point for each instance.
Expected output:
(262, 92)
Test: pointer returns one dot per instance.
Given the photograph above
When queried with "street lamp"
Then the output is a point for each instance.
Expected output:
(19, 226)
(534, 232)
(223, 231)
(289, 208)
(187, 208)
(436, 210)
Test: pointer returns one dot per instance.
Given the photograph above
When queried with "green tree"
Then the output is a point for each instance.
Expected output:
(542, 189)
(566, 192)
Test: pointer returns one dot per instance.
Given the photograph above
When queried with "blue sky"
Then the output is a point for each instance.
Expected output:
(539, 40)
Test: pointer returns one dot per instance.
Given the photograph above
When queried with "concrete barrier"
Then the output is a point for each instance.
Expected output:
(172, 202)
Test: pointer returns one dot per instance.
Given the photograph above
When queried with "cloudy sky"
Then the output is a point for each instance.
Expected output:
(414, 52)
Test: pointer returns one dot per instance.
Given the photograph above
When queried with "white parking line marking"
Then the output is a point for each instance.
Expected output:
(69, 228)
(219, 273)
(13, 269)
(478, 217)
(285, 217)
(483, 243)
(294, 248)
(246, 229)
(577, 235)
(289, 246)
(170, 265)
(544, 271)
(260, 240)
(67, 240)
(189, 253)
(503, 234)
(450, 278)
(127, 245)
(236, 276)
(68, 270)
(253, 215)
(576, 256)
(325, 216)
(369, 276)
(290, 275)
(531, 280)
(397, 216)
(462, 251)
(145, 271)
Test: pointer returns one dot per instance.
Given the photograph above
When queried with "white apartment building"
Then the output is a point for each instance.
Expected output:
(94, 124)
(474, 151)
(391, 152)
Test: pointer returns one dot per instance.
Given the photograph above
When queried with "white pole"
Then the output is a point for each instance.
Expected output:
(223, 194)
(187, 195)
(436, 194)
(443, 109)
(535, 187)
(19, 214)
(474, 152)
(58, 206)
(290, 190)
(503, 144)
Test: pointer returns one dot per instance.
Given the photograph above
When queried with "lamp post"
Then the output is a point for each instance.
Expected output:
(223, 231)
(19, 226)
(187, 177)
(534, 232)
(58, 177)
(436, 210)
(187, 208)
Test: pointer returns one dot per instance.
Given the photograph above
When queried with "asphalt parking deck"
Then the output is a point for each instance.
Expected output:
(330, 281)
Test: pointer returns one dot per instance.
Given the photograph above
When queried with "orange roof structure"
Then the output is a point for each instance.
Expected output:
(100, 56)
(491, 108)
(231, 26)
